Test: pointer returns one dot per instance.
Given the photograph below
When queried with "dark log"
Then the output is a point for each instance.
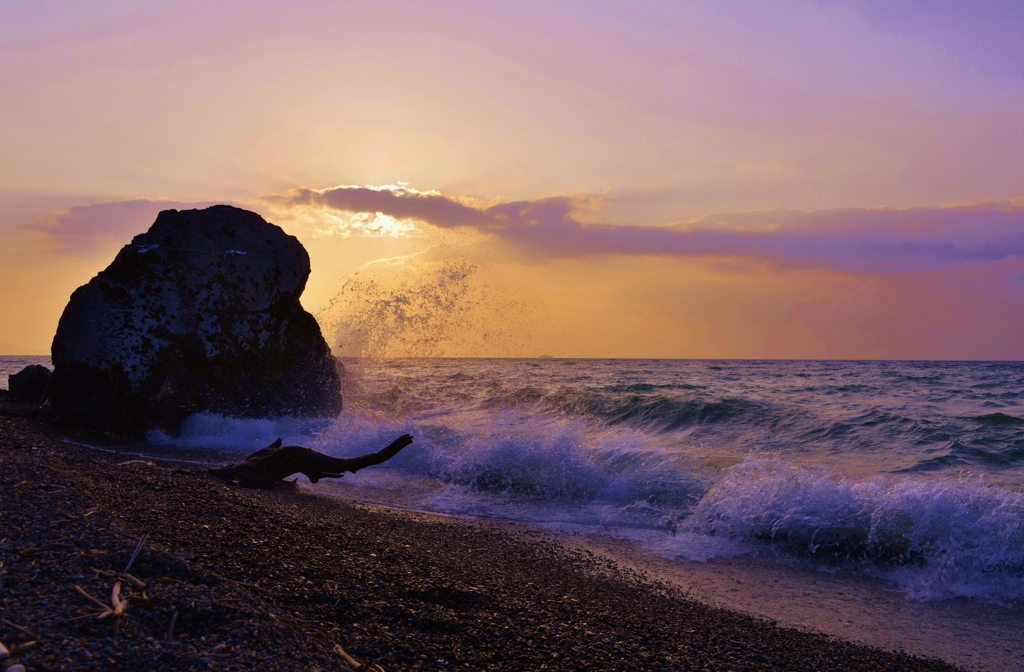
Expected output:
(267, 468)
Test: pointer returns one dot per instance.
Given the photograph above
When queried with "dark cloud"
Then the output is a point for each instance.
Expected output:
(85, 229)
(439, 210)
(401, 203)
(883, 239)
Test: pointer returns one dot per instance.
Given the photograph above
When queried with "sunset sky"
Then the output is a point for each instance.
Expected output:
(840, 179)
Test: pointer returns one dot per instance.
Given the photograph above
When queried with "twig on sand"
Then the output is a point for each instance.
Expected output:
(108, 574)
(117, 606)
(138, 549)
(145, 463)
(81, 591)
(119, 603)
(17, 627)
(350, 662)
(135, 581)
(354, 665)
(170, 628)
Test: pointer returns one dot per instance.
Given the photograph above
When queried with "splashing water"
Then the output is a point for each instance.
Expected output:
(424, 310)
(414, 315)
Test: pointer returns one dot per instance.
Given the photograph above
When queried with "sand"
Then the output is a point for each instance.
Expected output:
(268, 580)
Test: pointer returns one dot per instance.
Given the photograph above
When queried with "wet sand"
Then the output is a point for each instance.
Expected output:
(266, 580)
(975, 634)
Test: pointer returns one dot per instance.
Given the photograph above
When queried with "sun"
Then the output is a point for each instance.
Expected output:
(369, 224)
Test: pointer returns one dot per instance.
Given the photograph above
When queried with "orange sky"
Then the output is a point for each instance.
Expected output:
(738, 179)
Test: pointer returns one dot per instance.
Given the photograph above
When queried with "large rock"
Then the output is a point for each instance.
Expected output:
(200, 313)
(29, 383)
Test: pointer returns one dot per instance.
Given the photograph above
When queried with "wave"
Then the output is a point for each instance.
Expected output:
(936, 537)
(626, 406)
(212, 430)
(1000, 420)
(542, 459)
(700, 459)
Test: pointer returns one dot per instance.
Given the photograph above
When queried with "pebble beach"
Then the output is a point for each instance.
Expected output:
(112, 562)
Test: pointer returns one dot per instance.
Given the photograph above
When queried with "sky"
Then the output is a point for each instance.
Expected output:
(771, 179)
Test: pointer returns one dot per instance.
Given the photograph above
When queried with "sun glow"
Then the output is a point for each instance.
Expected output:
(369, 224)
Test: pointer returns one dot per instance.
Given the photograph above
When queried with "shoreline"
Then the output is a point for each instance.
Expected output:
(872, 611)
(843, 604)
(266, 580)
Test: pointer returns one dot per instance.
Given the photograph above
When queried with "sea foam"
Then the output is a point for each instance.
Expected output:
(936, 537)
(827, 465)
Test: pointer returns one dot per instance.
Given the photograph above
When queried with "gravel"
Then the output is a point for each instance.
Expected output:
(234, 579)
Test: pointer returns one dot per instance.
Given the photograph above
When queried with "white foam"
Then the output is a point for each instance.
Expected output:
(937, 537)
(212, 430)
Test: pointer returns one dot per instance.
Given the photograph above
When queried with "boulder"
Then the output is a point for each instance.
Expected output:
(200, 313)
(29, 383)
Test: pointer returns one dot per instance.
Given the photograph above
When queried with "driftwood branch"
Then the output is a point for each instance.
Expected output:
(267, 468)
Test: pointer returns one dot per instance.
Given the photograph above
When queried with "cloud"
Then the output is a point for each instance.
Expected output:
(396, 201)
(367, 224)
(85, 229)
(858, 239)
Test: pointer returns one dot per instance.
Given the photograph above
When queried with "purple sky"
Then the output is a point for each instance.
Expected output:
(844, 178)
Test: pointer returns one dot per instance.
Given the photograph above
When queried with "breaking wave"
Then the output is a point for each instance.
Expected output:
(842, 476)
(937, 538)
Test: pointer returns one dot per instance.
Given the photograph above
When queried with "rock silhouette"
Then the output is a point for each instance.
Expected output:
(200, 313)
(29, 383)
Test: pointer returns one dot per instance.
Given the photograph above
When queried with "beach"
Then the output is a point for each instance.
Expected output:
(674, 336)
(271, 580)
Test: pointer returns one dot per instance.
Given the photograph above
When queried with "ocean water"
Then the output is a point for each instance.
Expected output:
(876, 501)
(908, 471)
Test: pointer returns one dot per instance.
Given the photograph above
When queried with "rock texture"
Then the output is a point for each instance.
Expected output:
(200, 313)
(29, 383)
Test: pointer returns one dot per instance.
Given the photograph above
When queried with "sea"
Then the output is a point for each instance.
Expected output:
(881, 501)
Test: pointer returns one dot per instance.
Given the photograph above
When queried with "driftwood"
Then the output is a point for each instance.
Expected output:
(267, 468)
